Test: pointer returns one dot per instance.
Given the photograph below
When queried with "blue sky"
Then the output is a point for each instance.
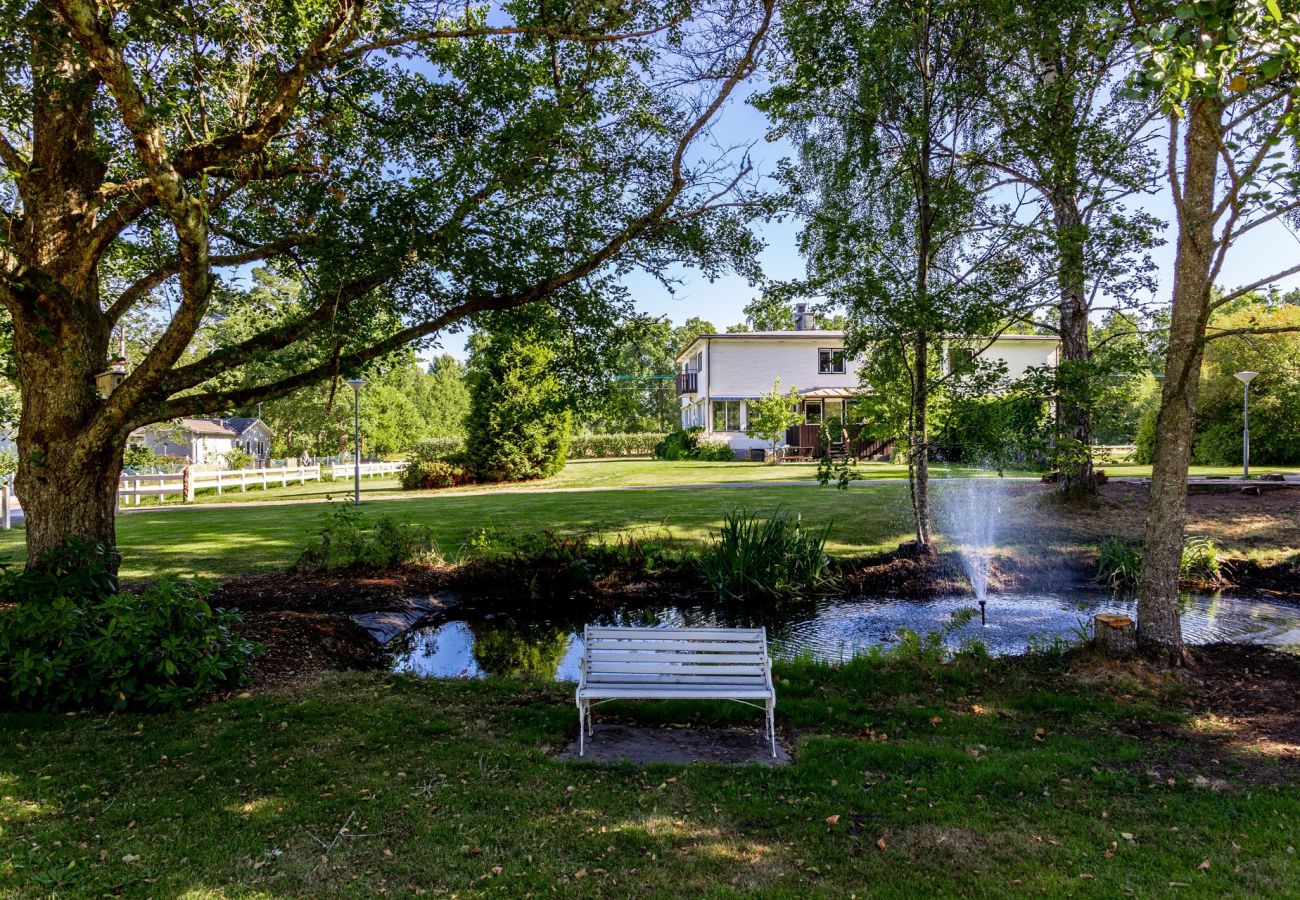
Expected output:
(1257, 255)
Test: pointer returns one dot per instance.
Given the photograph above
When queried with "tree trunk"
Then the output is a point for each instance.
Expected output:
(68, 460)
(920, 444)
(1159, 629)
(1074, 404)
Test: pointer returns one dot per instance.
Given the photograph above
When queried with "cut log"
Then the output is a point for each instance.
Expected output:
(1114, 635)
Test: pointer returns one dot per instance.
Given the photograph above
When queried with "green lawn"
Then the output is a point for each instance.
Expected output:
(260, 538)
(966, 780)
(610, 473)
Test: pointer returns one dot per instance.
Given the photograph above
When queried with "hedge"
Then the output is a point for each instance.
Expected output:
(603, 446)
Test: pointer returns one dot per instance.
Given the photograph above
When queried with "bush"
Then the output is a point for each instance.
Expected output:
(604, 446)
(8, 461)
(692, 443)
(1144, 445)
(519, 425)
(766, 558)
(72, 640)
(138, 456)
(237, 459)
(448, 448)
(345, 543)
(1119, 564)
(425, 475)
(1200, 560)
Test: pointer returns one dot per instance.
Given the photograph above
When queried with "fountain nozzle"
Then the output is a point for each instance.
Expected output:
(983, 621)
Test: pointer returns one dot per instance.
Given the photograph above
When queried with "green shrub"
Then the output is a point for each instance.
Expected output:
(236, 459)
(766, 558)
(72, 640)
(1144, 444)
(1200, 560)
(424, 475)
(8, 461)
(604, 446)
(692, 443)
(138, 456)
(448, 448)
(519, 425)
(580, 557)
(345, 543)
(1119, 563)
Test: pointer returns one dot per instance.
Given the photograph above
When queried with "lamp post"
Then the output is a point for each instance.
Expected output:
(1245, 378)
(355, 384)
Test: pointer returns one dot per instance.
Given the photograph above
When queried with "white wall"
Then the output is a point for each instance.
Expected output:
(1021, 355)
(744, 368)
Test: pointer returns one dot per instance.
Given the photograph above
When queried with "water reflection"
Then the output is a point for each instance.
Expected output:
(524, 644)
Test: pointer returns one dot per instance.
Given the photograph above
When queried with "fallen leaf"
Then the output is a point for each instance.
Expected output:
(935, 720)
(1126, 835)
(831, 820)
(1204, 866)
(130, 858)
(880, 842)
(581, 873)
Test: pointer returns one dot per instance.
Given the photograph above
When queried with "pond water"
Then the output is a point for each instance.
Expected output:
(505, 642)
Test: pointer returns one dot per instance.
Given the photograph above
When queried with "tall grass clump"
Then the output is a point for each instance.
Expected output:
(755, 558)
(1119, 564)
(1201, 560)
(345, 542)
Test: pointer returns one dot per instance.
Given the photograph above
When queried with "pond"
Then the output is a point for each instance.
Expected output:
(518, 642)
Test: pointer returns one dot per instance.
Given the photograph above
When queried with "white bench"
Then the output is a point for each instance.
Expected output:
(674, 664)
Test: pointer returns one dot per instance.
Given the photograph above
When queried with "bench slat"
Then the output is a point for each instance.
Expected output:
(601, 644)
(712, 634)
(684, 678)
(677, 669)
(674, 692)
(674, 657)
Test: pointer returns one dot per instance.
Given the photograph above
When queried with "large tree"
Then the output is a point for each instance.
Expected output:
(417, 163)
(1226, 77)
(1070, 136)
(881, 100)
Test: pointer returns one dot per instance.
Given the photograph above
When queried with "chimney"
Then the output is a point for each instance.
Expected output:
(804, 320)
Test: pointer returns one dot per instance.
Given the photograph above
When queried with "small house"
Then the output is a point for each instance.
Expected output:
(205, 442)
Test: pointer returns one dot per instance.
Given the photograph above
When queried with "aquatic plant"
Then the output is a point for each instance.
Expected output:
(1119, 563)
(772, 558)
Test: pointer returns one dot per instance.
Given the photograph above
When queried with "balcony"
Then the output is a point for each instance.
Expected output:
(687, 382)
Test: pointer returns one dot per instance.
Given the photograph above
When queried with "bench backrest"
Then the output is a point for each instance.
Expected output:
(677, 655)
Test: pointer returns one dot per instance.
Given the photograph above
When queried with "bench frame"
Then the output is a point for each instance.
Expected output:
(656, 677)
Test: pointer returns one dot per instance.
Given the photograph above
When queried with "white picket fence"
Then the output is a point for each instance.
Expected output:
(133, 487)
(183, 484)
(348, 470)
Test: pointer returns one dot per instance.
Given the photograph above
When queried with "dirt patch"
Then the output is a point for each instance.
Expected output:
(337, 592)
(642, 746)
(299, 646)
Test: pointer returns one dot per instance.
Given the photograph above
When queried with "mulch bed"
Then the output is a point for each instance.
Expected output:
(298, 646)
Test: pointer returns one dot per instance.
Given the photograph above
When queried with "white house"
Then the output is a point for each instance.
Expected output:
(719, 373)
(206, 441)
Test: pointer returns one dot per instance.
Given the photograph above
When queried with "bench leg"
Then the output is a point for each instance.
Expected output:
(771, 726)
(582, 730)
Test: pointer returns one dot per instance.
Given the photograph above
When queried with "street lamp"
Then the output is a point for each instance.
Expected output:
(1245, 378)
(355, 384)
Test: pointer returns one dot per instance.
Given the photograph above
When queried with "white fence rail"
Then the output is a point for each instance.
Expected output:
(348, 470)
(183, 485)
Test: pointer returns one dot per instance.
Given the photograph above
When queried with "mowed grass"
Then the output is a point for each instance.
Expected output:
(910, 780)
(219, 541)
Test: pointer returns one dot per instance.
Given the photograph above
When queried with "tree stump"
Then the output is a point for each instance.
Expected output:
(1100, 477)
(1114, 635)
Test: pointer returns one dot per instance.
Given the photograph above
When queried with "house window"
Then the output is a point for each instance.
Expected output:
(726, 415)
(812, 412)
(830, 362)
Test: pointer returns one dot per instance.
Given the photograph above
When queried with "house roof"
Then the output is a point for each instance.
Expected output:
(829, 393)
(212, 427)
(820, 336)
(242, 425)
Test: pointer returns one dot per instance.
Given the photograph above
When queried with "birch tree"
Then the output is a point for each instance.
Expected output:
(1226, 78)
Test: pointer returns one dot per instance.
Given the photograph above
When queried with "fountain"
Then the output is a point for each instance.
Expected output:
(972, 510)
